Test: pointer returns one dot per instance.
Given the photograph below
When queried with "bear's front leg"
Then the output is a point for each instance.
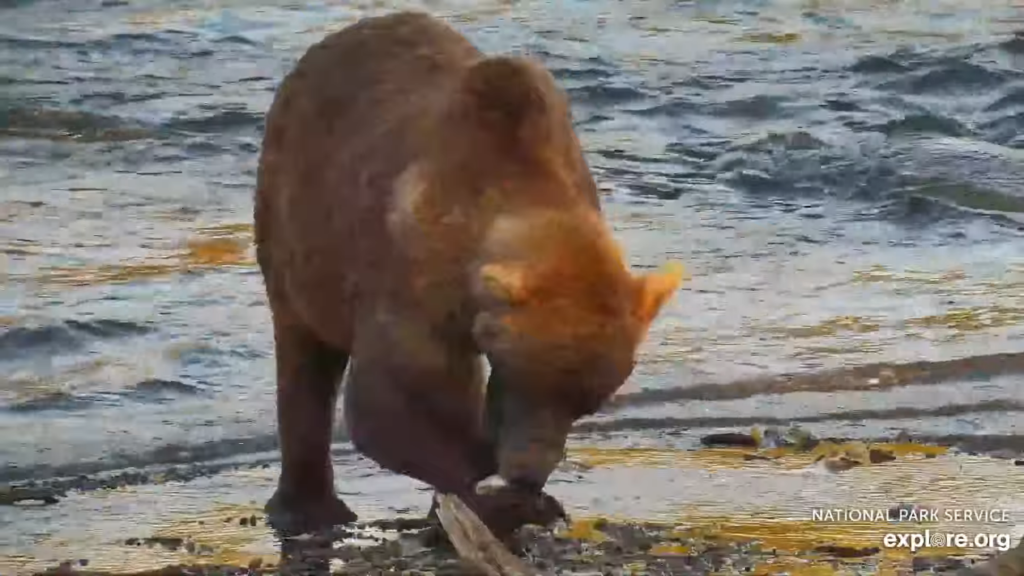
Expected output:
(419, 417)
(423, 419)
(308, 375)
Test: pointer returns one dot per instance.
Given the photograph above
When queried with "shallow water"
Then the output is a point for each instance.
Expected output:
(843, 180)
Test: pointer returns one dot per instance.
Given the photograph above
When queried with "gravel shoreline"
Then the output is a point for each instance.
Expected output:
(600, 547)
(413, 547)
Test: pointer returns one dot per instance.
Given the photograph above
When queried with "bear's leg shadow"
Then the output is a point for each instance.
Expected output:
(308, 376)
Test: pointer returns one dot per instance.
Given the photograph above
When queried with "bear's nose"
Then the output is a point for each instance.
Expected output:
(528, 467)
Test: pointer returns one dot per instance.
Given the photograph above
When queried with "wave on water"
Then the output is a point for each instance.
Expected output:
(853, 136)
(147, 391)
(17, 342)
(870, 131)
(859, 378)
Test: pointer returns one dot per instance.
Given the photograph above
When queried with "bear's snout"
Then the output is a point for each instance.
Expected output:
(530, 451)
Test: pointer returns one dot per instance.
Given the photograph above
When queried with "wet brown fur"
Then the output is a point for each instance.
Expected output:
(397, 163)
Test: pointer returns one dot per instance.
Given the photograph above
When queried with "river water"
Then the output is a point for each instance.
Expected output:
(844, 181)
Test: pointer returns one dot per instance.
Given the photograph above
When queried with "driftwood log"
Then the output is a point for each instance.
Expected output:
(475, 543)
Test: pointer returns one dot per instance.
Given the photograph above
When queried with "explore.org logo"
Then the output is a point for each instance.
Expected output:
(930, 539)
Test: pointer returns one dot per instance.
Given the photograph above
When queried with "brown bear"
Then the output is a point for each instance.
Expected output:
(421, 207)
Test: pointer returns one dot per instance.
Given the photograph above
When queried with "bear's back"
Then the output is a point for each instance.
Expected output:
(402, 115)
(359, 92)
(344, 123)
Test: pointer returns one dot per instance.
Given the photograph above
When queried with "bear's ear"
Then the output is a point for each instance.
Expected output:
(504, 281)
(508, 99)
(654, 289)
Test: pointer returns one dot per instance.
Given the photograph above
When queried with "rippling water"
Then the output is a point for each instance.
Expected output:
(843, 180)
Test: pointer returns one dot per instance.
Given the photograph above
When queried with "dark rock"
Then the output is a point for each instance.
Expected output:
(846, 551)
(729, 439)
(878, 456)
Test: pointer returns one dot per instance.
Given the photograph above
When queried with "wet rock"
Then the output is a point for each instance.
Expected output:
(1018, 462)
(349, 552)
(910, 513)
(899, 510)
(729, 439)
(1005, 454)
(857, 451)
(11, 495)
(801, 439)
(878, 456)
(401, 524)
(770, 438)
(170, 543)
(838, 457)
(846, 551)
(569, 465)
(926, 564)
(838, 463)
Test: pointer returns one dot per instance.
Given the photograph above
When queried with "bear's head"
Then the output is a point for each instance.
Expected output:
(560, 319)
(558, 313)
